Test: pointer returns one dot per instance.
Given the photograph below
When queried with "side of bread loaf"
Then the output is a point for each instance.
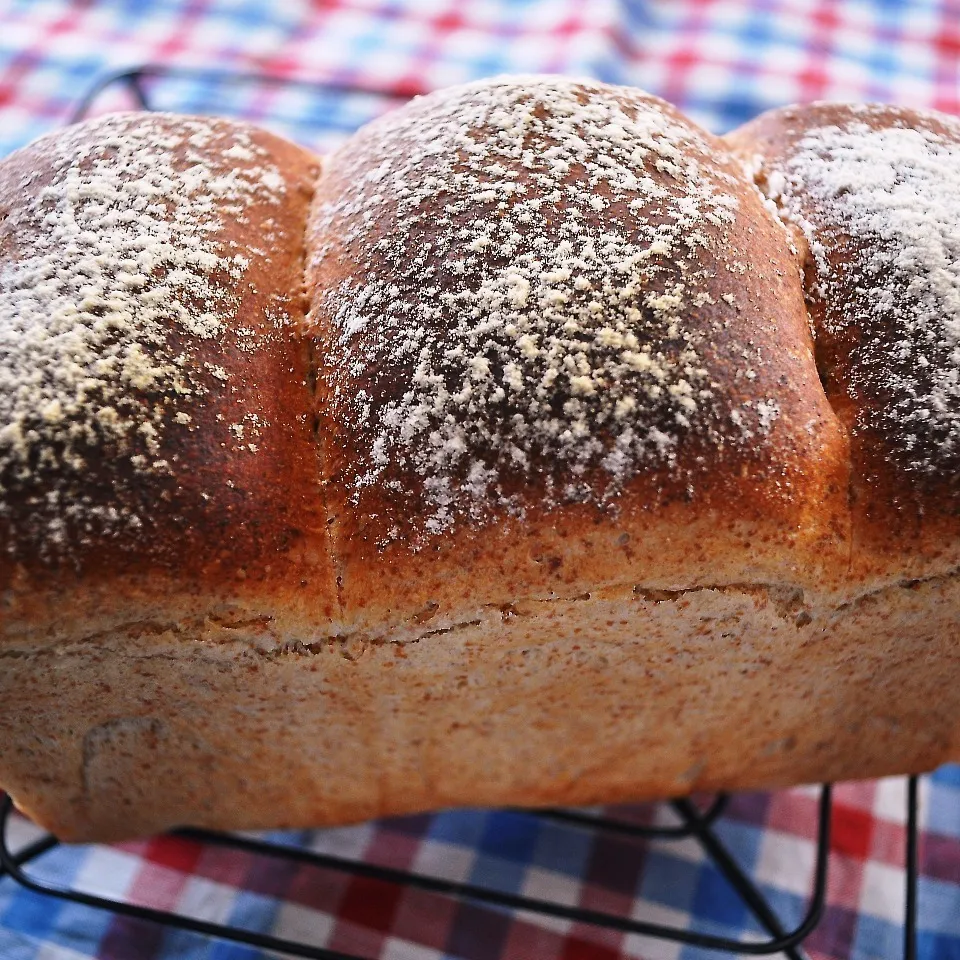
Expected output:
(625, 695)
(157, 470)
(500, 462)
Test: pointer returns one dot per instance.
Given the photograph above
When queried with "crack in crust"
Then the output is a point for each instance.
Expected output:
(313, 364)
(787, 601)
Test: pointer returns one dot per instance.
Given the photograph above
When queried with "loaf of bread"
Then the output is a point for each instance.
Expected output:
(535, 447)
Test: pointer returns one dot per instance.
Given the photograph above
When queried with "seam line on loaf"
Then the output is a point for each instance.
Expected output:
(806, 270)
(806, 267)
(312, 377)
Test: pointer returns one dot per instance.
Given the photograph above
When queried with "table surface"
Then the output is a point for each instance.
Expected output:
(722, 61)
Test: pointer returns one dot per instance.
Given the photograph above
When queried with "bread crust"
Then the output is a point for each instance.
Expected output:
(771, 491)
(209, 485)
(866, 192)
(622, 696)
(588, 554)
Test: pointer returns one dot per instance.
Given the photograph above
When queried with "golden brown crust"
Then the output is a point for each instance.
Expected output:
(569, 507)
(203, 479)
(551, 313)
(869, 194)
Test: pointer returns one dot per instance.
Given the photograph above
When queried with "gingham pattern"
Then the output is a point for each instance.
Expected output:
(668, 881)
(720, 60)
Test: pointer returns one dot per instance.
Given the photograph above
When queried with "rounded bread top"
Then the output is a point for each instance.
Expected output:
(537, 290)
(873, 192)
(148, 279)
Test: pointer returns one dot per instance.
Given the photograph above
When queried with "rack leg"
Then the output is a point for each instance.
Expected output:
(910, 912)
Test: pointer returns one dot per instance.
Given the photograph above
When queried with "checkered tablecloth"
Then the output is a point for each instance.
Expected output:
(722, 61)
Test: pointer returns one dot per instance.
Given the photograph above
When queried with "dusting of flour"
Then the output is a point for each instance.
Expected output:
(529, 258)
(116, 272)
(888, 197)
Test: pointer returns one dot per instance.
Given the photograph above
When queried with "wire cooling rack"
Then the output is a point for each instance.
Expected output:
(139, 87)
(693, 822)
(698, 823)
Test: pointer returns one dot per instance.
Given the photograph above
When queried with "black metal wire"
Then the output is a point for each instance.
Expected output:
(12, 865)
(694, 823)
(682, 829)
(134, 80)
(910, 868)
